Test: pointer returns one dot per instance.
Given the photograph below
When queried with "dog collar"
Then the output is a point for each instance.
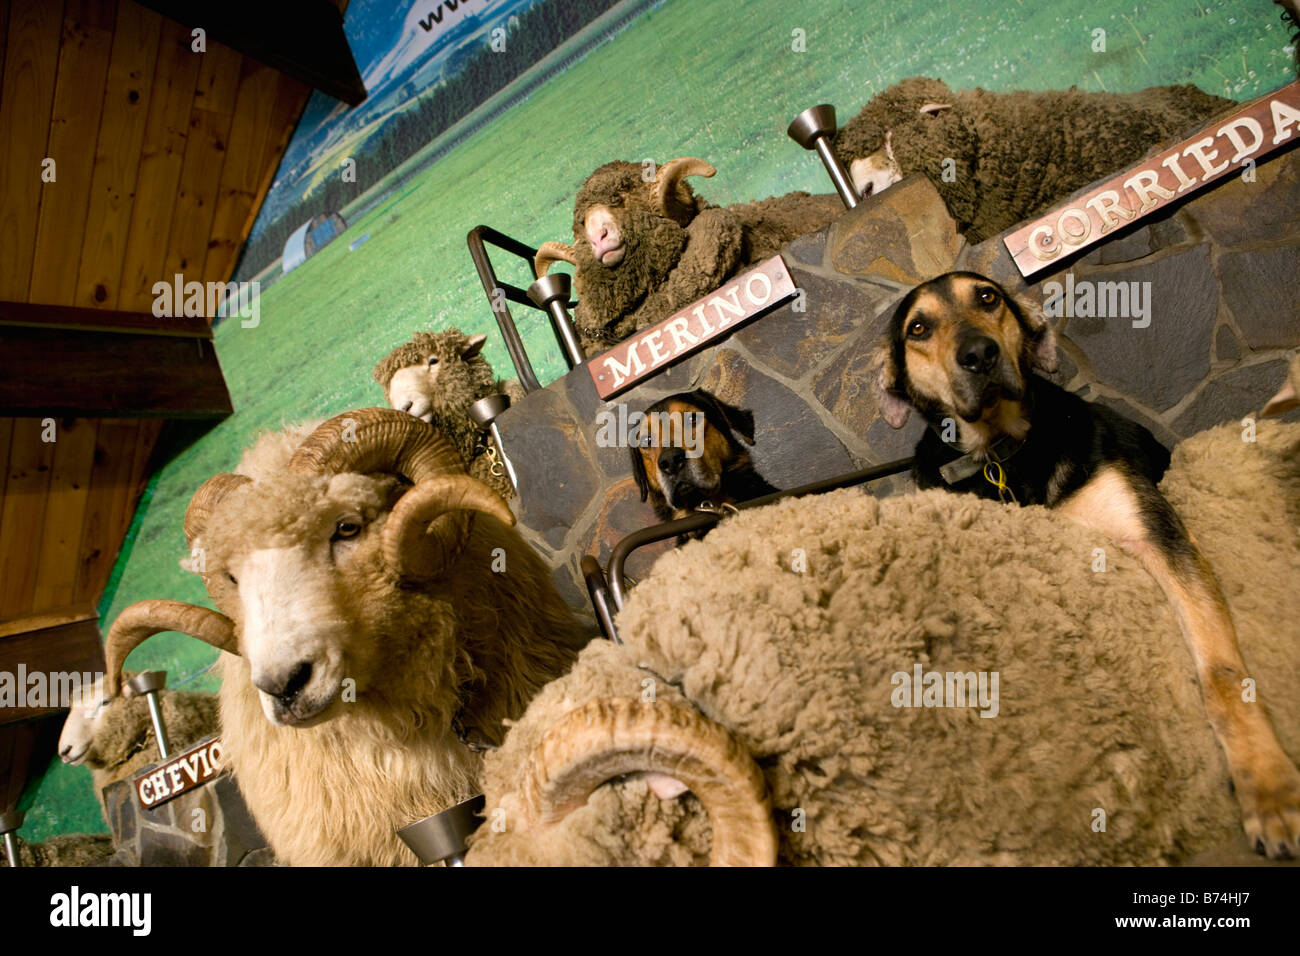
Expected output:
(959, 469)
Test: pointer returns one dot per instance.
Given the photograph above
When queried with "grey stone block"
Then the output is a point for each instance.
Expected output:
(1232, 396)
(1262, 288)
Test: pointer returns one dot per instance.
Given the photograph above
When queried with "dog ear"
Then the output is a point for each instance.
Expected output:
(638, 471)
(739, 420)
(883, 373)
(1040, 340)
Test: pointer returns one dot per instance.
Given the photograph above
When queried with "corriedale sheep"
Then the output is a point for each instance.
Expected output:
(113, 735)
(1013, 155)
(379, 620)
(800, 628)
(436, 377)
(646, 245)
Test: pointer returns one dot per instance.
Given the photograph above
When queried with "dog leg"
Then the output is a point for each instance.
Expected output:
(1266, 781)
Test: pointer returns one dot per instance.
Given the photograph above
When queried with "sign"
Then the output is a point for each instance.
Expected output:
(181, 773)
(697, 326)
(1220, 149)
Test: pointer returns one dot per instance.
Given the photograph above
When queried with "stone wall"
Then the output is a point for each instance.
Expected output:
(1225, 316)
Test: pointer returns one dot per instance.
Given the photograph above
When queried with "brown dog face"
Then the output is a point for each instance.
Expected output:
(686, 448)
(959, 348)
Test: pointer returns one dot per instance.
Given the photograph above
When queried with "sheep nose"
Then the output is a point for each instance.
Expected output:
(977, 353)
(670, 460)
(65, 751)
(407, 406)
(286, 690)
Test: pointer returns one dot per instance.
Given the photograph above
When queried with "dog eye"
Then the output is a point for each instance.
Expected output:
(988, 296)
(347, 528)
(917, 328)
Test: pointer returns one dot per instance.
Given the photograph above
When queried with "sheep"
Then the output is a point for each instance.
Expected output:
(379, 621)
(1000, 158)
(71, 849)
(1288, 396)
(645, 246)
(800, 627)
(1291, 23)
(113, 734)
(436, 377)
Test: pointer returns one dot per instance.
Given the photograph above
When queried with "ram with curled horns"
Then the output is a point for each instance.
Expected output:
(379, 619)
(645, 245)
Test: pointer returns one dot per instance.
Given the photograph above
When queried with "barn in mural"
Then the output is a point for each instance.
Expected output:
(639, 432)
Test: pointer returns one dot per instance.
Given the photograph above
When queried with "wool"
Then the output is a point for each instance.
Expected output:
(1099, 710)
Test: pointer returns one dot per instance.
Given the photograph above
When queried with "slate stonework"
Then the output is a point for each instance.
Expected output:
(1222, 268)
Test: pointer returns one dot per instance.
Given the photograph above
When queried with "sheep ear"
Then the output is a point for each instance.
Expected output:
(475, 346)
(934, 109)
(1040, 343)
(894, 408)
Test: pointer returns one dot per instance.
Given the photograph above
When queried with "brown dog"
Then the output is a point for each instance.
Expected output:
(962, 352)
(688, 454)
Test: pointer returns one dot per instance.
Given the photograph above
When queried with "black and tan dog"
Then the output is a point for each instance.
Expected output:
(689, 454)
(962, 352)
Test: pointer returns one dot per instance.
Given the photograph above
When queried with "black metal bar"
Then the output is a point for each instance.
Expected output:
(704, 519)
(598, 589)
(505, 321)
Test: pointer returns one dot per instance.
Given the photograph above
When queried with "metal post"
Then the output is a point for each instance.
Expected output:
(9, 824)
(441, 838)
(551, 292)
(149, 683)
(813, 129)
(483, 413)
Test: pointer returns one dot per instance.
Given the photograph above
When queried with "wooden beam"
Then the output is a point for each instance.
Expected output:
(29, 315)
(72, 372)
(302, 38)
(74, 648)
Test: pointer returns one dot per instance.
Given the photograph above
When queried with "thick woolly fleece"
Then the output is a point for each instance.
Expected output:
(669, 264)
(75, 849)
(459, 385)
(1017, 154)
(470, 642)
(1099, 711)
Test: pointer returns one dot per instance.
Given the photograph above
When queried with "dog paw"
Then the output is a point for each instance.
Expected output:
(1270, 809)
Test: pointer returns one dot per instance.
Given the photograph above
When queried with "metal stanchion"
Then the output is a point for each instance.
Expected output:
(551, 292)
(483, 413)
(149, 683)
(9, 824)
(813, 129)
(441, 838)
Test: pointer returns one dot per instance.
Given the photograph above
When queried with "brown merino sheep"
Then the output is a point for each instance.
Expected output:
(436, 377)
(645, 244)
(1012, 155)
(801, 627)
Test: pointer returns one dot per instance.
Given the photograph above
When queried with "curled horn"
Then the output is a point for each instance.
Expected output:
(430, 524)
(609, 737)
(549, 253)
(140, 621)
(667, 201)
(205, 500)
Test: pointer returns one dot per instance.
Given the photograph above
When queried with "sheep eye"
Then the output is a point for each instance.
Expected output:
(917, 328)
(346, 528)
(433, 360)
(988, 296)
(231, 578)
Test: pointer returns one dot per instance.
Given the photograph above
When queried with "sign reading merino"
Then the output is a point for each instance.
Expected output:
(718, 314)
(1254, 131)
(183, 772)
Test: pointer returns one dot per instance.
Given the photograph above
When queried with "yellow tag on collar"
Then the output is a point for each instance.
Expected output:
(996, 477)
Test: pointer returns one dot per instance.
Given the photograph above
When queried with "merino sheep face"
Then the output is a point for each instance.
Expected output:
(444, 368)
(299, 577)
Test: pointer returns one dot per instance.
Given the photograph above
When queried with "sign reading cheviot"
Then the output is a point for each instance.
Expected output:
(697, 326)
(180, 773)
(1228, 145)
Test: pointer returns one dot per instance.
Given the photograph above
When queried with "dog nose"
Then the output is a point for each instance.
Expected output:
(977, 353)
(286, 690)
(671, 460)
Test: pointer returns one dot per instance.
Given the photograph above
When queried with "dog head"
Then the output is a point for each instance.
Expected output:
(959, 347)
(685, 448)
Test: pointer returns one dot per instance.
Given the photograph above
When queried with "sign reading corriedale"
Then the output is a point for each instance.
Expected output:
(1220, 149)
(697, 326)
